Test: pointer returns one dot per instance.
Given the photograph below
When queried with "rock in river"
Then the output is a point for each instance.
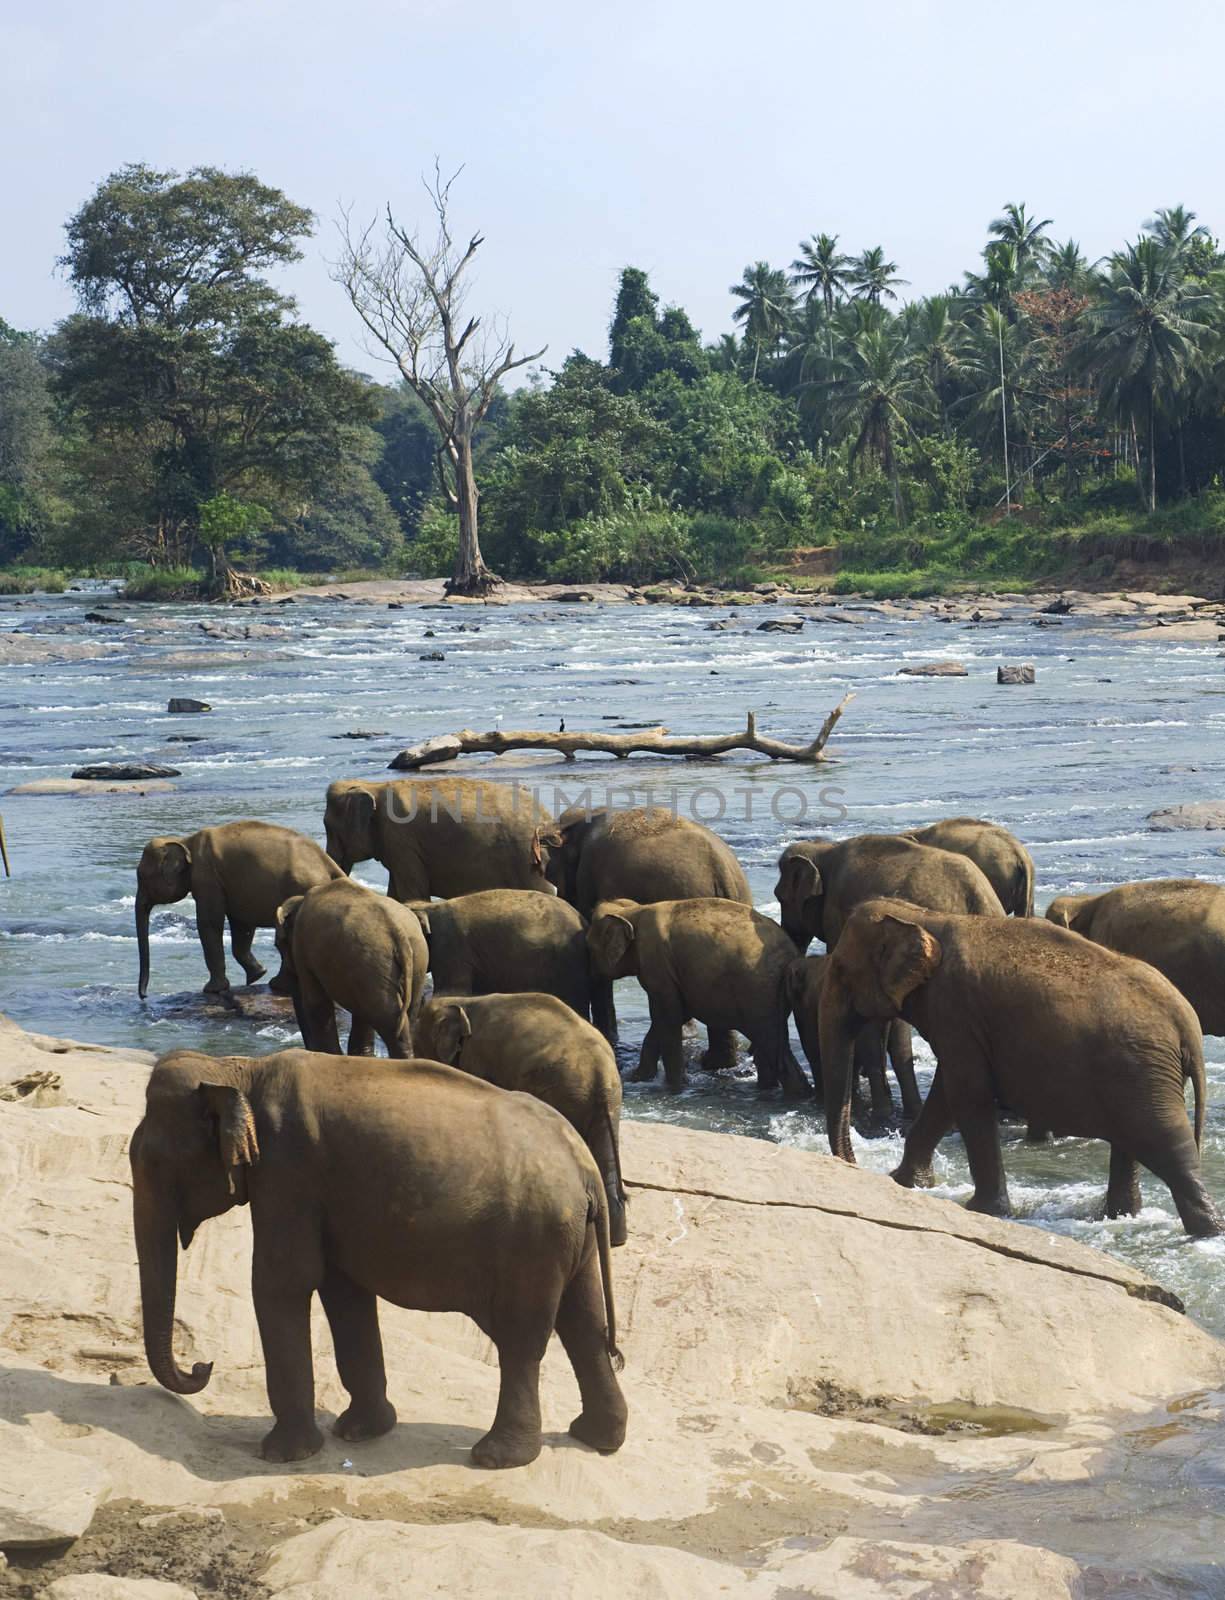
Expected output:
(126, 771)
(1206, 814)
(1015, 674)
(935, 669)
(781, 625)
(180, 704)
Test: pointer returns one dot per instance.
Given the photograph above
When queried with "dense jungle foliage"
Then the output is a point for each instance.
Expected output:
(1044, 408)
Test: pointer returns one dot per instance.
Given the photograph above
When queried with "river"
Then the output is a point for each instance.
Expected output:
(1113, 728)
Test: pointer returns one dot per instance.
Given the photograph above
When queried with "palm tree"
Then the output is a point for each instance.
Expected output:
(872, 277)
(938, 337)
(876, 398)
(1017, 228)
(820, 270)
(1066, 268)
(1172, 227)
(765, 308)
(1146, 333)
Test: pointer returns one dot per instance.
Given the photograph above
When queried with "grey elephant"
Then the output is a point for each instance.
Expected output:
(365, 1181)
(537, 1045)
(646, 854)
(716, 960)
(1077, 1038)
(1175, 924)
(237, 871)
(1001, 857)
(345, 945)
(510, 941)
(805, 977)
(438, 836)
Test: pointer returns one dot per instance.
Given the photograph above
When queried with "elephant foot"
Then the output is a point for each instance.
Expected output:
(603, 1433)
(279, 984)
(990, 1205)
(709, 1061)
(643, 1075)
(291, 1442)
(504, 1448)
(217, 986)
(370, 1422)
(1035, 1133)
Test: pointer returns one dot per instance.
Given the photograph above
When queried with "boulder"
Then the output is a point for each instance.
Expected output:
(1198, 814)
(47, 1496)
(1015, 674)
(432, 655)
(126, 771)
(180, 705)
(574, 596)
(362, 733)
(102, 616)
(1058, 607)
(102, 1586)
(781, 625)
(935, 669)
(86, 786)
(185, 738)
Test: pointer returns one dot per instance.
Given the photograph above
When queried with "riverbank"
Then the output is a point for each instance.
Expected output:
(837, 1388)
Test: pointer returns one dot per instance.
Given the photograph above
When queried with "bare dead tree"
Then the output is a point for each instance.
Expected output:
(411, 297)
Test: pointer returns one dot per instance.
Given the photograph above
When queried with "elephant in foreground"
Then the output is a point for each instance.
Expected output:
(508, 941)
(1175, 924)
(345, 945)
(645, 854)
(237, 871)
(365, 1179)
(1075, 1037)
(535, 1044)
(1001, 857)
(716, 960)
(438, 836)
(805, 977)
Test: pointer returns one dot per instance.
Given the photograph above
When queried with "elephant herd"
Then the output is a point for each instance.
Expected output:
(436, 1189)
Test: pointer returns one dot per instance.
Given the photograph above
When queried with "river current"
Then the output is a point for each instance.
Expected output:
(1113, 728)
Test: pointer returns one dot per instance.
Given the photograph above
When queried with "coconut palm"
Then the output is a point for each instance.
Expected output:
(938, 338)
(877, 395)
(1066, 268)
(1175, 228)
(766, 304)
(1147, 331)
(820, 270)
(1027, 237)
(872, 278)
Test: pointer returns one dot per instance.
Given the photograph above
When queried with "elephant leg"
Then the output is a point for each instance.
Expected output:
(603, 1008)
(210, 925)
(1123, 1189)
(870, 1060)
(361, 1037)
(901, 1058)
(514, 1439)
(583, 1330)
(241, 935)
(971, 1097)
(353, 1317)
(319, 1014)
(1036, 1133)
(648, 1059)
(399, 1041)
(1176, 1162)
(283, 1314)
(720, 1053)
(930, 1126)
(667, 1024)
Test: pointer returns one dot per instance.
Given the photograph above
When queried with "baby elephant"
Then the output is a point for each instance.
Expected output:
(512, 941)
(342, 944)
(534, 1043)
(365, 1180)
(805, 977)
(716, 960)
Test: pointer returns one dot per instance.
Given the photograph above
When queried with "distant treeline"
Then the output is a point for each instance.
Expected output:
(184, 415)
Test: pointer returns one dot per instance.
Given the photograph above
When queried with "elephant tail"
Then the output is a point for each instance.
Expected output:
(597, 1212)
(1193, 1068)
(1023, 891)
(616, 1150)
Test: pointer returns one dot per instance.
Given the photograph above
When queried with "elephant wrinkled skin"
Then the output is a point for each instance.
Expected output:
(345, 945)
(1001, 858)
(1075, 1037)
(535, 1044)
(364, 1181)
(805, 977)
(240, 871)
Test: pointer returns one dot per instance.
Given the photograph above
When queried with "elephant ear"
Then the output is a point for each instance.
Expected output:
(803, 978)
(452, 1028)
(799, 879)
(907, 955)
(236, 1142)
(359, 808)
(544, 838)
(610, 938)
(421, 910)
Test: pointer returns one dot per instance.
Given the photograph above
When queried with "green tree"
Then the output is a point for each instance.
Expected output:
(636, 302)
(766, 304)
(25, 443)
(872, 278)
(1026, 236)
(876, 399)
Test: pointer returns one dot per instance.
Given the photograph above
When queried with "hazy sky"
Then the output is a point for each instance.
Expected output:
(688, 137)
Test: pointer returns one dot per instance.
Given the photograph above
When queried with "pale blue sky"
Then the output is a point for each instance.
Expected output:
(688, 137)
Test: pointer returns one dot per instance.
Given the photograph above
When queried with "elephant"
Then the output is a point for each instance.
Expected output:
(716, 960)
(805, 977)
(535, 1044)
(644, 854)
(1002, 859)
(345, 945)
(438, 836)
(240, 871)
(510, 941)
(1175, 924)
(1076, 1037)
(365, 1180)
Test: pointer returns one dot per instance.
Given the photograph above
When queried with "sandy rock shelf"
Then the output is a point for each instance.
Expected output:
(761, 1290)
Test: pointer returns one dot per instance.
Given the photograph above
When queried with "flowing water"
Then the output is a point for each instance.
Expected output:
(1113, 728)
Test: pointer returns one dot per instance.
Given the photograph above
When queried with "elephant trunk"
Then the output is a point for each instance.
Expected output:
(839, 1027)
(143, 907)
(157, 1250)
(335, 846)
